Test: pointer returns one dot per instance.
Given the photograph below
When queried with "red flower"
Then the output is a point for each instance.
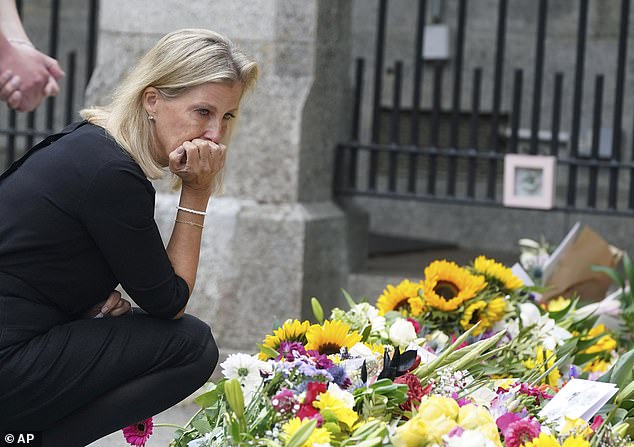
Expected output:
(309, 412)
(306, 409)
(415, 390)
(139, 433)
(314, 389)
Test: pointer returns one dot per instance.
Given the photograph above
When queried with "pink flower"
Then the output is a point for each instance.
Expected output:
(138, 434)
(520, 432)
(284, 402)
(596, 422)
(505, 420)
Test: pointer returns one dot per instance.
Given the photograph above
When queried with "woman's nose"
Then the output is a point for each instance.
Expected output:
(215, 131)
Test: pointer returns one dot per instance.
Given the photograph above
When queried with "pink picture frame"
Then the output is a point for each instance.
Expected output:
(529, 181)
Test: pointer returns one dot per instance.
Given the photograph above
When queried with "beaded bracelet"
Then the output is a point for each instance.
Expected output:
(189, 210)
(190, 223)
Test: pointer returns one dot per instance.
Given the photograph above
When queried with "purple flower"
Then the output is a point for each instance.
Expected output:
(290, 350)
(461, 401)
(339, 376)
(321, 360)
(456, 431)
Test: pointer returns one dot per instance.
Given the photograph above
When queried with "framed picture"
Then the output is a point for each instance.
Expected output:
(529, 181)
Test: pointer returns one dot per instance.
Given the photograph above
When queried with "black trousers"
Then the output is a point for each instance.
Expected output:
(84, 379)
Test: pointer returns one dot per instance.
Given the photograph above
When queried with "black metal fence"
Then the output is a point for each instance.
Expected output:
(450, 152)
(67, 31)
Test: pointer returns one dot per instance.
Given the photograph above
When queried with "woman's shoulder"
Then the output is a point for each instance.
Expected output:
(92, 145)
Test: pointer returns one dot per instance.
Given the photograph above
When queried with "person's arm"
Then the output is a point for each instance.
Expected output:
(118, 212)
(10, 23)
(196, 163)
(32, 74)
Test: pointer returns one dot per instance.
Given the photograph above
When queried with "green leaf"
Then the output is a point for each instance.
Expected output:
(625, 393)
(318, 311)
(558, 314)
(348, 298)
(207, 399)
(268, 351)
(365, 332)
(621, 372)
(302, 434)
(628, 268)
(202, 425)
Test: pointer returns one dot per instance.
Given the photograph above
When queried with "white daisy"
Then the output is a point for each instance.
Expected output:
(246, 369)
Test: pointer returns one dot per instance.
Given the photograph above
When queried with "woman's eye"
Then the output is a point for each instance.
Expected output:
(229, 116)
(203, 112)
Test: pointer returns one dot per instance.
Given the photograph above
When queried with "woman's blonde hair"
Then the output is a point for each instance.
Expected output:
(180, 60)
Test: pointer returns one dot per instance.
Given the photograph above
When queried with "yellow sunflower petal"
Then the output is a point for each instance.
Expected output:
(291, 330)
(403, 298)
(330, 337)
(447, 285)
(494, 271)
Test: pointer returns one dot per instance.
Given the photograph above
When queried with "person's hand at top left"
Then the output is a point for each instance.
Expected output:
(27, 75)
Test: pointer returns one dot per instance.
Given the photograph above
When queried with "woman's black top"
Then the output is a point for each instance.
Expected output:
(77, 220)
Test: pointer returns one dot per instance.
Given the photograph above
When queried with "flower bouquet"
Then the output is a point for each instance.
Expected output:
(463, 357)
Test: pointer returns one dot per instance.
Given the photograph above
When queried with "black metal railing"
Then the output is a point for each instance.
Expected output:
(73, 48)
(448, 152)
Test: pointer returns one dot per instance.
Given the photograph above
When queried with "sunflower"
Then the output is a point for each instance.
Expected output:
(486, 313)
(403, 298)
(447, 285)
(473, 314)
(496, 308)
(330, 337)
(291, 330)
(497, 273)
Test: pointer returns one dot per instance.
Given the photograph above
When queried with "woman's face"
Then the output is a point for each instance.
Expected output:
(204, 111)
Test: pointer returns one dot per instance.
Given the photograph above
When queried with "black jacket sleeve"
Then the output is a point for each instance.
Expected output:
(118, 212)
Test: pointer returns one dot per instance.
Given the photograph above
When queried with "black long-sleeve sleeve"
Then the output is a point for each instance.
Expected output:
(78, 220)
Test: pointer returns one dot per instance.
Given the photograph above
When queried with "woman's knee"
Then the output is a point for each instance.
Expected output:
(200, 331)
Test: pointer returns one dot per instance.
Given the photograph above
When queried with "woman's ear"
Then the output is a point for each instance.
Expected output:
(150, 100)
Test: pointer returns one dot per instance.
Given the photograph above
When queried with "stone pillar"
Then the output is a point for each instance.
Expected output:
(275, 238)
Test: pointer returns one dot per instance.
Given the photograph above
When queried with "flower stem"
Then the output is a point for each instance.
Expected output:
(165, 424)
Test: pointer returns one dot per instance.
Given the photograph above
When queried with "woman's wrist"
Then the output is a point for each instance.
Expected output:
(194, 199)
(20, 42)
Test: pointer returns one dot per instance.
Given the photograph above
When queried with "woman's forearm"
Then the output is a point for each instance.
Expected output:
(183, 248)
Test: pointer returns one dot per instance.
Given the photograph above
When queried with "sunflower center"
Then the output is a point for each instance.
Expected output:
(446, 289)
(475, 317)
(329, 348)
(402, 305)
